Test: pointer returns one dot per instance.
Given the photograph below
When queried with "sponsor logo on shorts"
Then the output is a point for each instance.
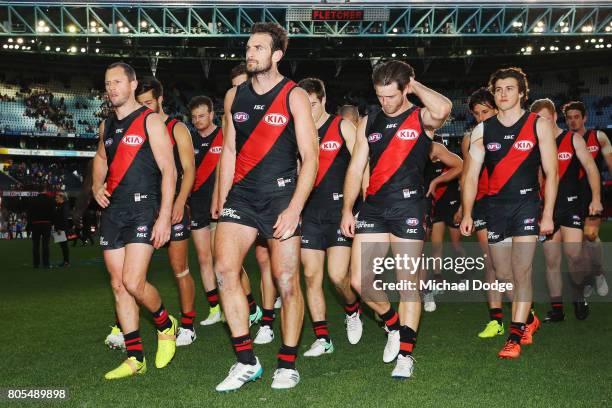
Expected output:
(374, 137)
(142, 228)
(108, 142)
(337, 196)
(215, 149)
(241, 117)
(138, 197)
(330, 146)
(141, 235)
(194, 223)
(178, 227)
(363, 224)
(275, 119)
(103, 242)
(132, 140)
(479, 223)
(575, 217)
(408, 193)
(413, 222)
(492, 235)
(593, 149)
(412, 231)
(528, 220)
(526, 190)
(564, 156)
(282, 182)
(407, 134)
(523, 145)
(493, 147)
(179, 234)
(453, 202)
(529, 228)
(572, 198)
(230, 212)
(340, 238)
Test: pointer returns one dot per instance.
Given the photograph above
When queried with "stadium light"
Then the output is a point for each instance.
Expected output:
(157, 53)
(93, 24)
(100, 29)
(5, 46)
(41, 23)
(468, 52)
(233, 55)
(73, 49)
(608, 45)
(393, 55)
(120, 23)
(608, 29)
(20, 41)
(593, 40)
(394, 29)
(11, 46)
(16, 47)
(565, 30)
(528, 48)
(578, 47)
(47, 48)
(151, 30)
(83, 49)
(72, 28)
(97, 50)
(143, 24)
(567, 48)
(600, 40)
(57, 49)
(587, 28)
(360, 55)
(10, 40)
(542, 48)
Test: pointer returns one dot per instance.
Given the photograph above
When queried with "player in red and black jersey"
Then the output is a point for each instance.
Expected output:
(150, 93)
(397, 141)
(512, 145)
(321, 217)
(573, 156)
(482, 107)
(600, 148)
(133, 181)
(268, 122)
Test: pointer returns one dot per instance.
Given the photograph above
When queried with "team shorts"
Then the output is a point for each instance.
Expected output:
(180, 231)
(124, 225)
(321, 230)
(568, 215)
(199, 210)
(404, 219)
(479, 214)
(444, 210)
(505, 220)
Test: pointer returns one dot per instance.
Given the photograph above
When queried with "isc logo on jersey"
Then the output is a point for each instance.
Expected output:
(523, 145)
(132, 140)
(493, 147)
(330, 146)
(275, 119)
(564, 156)
(374, 137)
(215, 149)
(241, 116)
(407, 134)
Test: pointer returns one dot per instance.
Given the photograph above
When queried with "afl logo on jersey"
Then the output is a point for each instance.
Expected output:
(108, 142)
(407, 134)
(275, 119)
(523, 145)
(374, 137)
(330, 146)
(493, 147)
(132, 140)
(593, 149)
(413, 222)
(215, 149)
(241, 116)
(564, 156)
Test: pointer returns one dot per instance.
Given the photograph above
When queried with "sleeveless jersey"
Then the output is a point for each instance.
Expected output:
(568, 169)
(512, 158)
(133, 174)
(398, 151)
(266, 145)
(207, 153)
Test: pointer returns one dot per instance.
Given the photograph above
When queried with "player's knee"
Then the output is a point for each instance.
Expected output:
(356, 283)
(117, 286)
(590, 236)
(287, 285)
(339, 279)
(134, 286)
(227, 277)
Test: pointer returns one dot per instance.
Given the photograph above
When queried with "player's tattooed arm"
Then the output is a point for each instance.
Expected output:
(470, 181)
(100, 169)
(593, 176)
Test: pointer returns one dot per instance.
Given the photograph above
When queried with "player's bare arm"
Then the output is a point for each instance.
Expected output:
(185, 149)
(439, 152)
(593, 176)
(227, 161)
(470, 182)
(348, 131)
(548, 154)
(100, 168)
(437, 106)
(353, 179)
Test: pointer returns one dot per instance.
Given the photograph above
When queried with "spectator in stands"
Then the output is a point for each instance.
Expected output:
(40, 217)
(61, 223)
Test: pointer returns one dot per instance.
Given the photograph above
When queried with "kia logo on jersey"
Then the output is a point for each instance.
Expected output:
(132, 140)
(564, 156)
(593, 149)
(374, 137)
(241, 116)
(412, 222)
(330, 146)
(523, 145)
(407, 134)
(275, 119)
(215, 149)
(493, 147)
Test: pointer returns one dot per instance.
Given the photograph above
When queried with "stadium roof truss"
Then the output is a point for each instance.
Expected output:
(172, 19)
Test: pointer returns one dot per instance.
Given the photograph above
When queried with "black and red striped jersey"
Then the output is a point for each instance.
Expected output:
(207, 153)
(512, 158)
(266, 145)
(568, 168)
(450, 189)
(334, 158)
(133, 174)
(398, 151)
(170, 124)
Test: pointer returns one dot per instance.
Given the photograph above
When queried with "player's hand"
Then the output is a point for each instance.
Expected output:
(467, 225)
(286, 224)
(347, 224)
(215, 209)
(178, 210)
(546, 225)
(101, 195)
(458, 216)
(432, 188)
(595, 208)
(161, 232)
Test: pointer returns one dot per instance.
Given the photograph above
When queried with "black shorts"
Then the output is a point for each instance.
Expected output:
(321, 230)
(199, 210)
(585, 200)
(479, 214)
(405, 219)
(120, 226)
(181, 231)
(444, 210)
(505, 220)
(258, 211)
(568, 215)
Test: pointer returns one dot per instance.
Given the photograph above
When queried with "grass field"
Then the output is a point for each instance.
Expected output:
(55, 321)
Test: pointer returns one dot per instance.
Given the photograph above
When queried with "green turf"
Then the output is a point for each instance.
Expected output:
(54, 323)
